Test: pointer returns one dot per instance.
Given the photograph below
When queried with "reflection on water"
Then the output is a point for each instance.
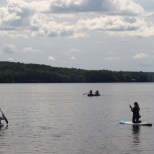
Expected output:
(4, 128)
(136, 135)
(136, 138)
(2, 131)
(59, 119)
(136, 129)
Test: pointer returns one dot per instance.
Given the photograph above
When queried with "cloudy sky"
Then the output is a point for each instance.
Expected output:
(115, 35)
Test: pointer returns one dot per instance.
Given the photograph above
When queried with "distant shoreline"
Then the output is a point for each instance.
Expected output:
(12, 72)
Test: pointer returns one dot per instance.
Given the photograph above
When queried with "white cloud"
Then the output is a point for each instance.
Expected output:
(107, 6)
(51, 58)
(111, 23)
(112, 58)
(75, 50)
(73, 58)
(99, 42)
(40, 6)
(9, 48)
(47, 26)
(11, 59)
(15, 16)
(126, 7)
(118, 25)
(30, 50)
(23, 18)
(140, 56)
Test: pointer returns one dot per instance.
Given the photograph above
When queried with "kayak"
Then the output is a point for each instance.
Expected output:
(90, 95)
(135, 124)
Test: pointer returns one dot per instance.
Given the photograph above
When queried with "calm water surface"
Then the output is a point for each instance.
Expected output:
(59, 119)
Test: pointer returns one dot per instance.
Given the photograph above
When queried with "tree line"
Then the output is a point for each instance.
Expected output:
(11, 72)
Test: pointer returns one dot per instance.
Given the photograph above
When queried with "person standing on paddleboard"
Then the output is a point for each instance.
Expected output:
(136, 115)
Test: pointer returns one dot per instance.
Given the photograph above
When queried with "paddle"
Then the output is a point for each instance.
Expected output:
(4, 117)
(130, 106)
(85, 93)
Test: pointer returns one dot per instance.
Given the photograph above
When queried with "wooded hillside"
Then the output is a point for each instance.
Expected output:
(11, 72)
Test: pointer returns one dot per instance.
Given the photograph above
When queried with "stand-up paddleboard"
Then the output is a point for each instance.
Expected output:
(135, 124)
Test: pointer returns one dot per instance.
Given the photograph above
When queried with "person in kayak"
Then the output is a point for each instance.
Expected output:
(136, 115)
(97, 93)
(90, 92)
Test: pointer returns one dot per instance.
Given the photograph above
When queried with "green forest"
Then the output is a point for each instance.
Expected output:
(11, 72)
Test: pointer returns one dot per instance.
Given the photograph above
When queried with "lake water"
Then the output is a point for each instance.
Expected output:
(59, 119)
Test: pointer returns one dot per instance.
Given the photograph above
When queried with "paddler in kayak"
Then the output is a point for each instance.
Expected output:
(97, 93)
(136, 115)
(91, 92)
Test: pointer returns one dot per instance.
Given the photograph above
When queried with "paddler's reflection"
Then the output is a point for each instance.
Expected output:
(136, 135)
(136, 129)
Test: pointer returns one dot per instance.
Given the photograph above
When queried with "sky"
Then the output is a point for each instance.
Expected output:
(116, 35)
